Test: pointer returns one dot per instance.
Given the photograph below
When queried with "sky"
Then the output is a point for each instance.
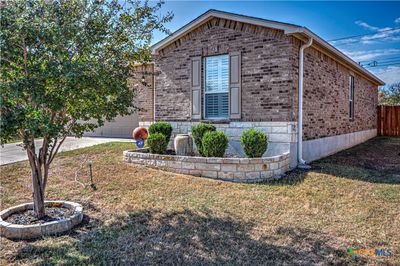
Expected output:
(329, 20)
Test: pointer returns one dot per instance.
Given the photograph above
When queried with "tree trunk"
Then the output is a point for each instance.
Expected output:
(37, 182)
(38, 197)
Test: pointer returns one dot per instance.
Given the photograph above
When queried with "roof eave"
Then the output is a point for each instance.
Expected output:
(224, 15)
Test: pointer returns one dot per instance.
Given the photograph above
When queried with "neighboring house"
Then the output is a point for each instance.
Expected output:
(241, 72)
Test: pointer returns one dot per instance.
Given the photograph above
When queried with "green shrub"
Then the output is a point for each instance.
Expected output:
(164, 128)
(157, 143)
(254, 143)
(198, 133)
(214, 144)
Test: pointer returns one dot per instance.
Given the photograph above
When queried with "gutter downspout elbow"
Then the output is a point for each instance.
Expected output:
(301, 162)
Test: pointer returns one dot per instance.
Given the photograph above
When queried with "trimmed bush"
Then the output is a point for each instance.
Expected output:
(164, 128)
(198, 132)
(254, 143)
(157, 143)
(214, 144)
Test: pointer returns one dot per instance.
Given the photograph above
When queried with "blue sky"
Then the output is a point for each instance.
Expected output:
(330, 20)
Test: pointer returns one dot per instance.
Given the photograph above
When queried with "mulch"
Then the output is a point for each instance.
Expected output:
(27, 217)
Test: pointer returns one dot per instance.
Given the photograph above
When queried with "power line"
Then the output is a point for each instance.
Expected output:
(383, 59)
(382, 65)
(362, 35)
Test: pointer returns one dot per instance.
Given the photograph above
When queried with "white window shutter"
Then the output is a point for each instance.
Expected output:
(235, 92)
(196, 87)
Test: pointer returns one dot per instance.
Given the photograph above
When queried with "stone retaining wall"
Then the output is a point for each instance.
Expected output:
(246, 170)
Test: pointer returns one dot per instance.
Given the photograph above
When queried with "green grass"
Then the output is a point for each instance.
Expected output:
(140, 215)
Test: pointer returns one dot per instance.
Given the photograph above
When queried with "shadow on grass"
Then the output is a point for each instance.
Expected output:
(375, 161)
(186, 237)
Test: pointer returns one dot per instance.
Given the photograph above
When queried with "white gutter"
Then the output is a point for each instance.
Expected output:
(154, 92)
(301, 162)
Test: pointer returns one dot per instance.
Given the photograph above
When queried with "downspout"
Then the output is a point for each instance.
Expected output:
(154, 92)
(301, 162)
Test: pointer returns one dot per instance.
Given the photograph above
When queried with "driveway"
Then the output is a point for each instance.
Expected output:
(13, 152)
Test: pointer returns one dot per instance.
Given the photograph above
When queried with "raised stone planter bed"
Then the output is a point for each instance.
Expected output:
(244, 170)
(18, 231)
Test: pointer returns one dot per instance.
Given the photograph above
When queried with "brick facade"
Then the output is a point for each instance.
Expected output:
(144, 86)
(266, 70)
(326, 96)
(269, 80)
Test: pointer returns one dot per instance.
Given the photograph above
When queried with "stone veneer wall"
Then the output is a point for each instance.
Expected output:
(245, 170)
(280, 134)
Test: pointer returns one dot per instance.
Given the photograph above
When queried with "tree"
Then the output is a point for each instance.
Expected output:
(390, 95)
(65, 69)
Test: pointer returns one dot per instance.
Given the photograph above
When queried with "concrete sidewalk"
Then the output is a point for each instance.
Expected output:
(12, 153)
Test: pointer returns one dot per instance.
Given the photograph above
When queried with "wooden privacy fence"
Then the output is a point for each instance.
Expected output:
(388, 120)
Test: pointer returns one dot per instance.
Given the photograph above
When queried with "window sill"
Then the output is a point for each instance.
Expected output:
(216, 121)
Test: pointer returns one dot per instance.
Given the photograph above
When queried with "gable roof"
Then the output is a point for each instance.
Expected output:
(297, 31)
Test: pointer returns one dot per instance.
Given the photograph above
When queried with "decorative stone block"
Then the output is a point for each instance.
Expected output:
(245, 167)
(228, 167)
(212, 174)
(225, 175)
(188, 166)
(195, 172)
(253, 175)
(274, 166)
(208, 166)
(261, 167)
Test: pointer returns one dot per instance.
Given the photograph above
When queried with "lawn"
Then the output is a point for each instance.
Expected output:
(140, 215)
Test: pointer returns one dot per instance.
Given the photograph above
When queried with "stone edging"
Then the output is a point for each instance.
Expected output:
(243, 170)
(17, 231)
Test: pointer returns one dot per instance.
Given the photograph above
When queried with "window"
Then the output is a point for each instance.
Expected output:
(351, 97)
(216, 89)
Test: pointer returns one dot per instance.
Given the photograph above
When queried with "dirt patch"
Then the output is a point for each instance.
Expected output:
(379, 154)
(27, 217)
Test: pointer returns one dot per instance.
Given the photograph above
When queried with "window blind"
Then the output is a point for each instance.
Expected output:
(216, 87)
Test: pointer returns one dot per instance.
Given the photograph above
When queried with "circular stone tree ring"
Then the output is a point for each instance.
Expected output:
(19, 231)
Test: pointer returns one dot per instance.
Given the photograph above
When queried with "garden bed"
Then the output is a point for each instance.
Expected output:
(18, 222)
(244, 170)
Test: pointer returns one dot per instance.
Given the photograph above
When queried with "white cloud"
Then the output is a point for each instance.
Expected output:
(389, 75)
(386, 36)
(382, 34)
(397, 20)
(370, 54)
(365, 25)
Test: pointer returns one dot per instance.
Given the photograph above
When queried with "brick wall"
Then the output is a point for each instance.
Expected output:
(143, 79)
(326, 94)
(266, 70)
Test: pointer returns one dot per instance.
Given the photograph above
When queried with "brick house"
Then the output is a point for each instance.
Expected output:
(241, 72)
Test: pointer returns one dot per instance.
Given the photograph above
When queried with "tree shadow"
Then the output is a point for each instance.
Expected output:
(149, 237)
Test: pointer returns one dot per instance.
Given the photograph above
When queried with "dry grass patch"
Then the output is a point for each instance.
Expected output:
(147, 216)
